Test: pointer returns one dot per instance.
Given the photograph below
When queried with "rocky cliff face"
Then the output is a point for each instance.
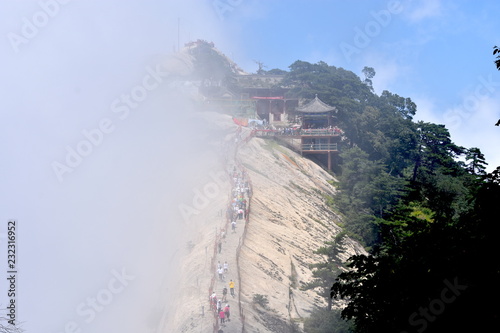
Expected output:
(288, 221)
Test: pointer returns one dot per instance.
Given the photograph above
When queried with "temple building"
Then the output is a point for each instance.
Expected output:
(316, 114)
(254, 96)
(266, 91)
(319, 134)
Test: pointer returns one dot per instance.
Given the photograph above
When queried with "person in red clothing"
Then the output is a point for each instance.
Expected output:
(213, 301)
(221, 316)
(226, 312)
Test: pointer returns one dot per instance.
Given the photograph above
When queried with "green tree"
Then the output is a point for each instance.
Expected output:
(324, 321)
(369, 73)
(438, 179)
(477, 163)
(419, 258)
(404, 106)
(366, 192)
(496, 51)
(275, 71)
(209, 65)
(325, 272)
(261, 65)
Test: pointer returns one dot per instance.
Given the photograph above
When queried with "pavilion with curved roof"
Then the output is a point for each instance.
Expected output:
(316, 114)
(319, 134)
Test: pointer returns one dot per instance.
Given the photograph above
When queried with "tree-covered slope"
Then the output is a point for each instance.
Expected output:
(421, 203)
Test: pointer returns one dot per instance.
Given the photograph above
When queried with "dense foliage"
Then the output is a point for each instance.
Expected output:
(423, 206)
(323, 320)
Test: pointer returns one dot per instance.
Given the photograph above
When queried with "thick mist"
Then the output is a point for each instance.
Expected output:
(101, 142)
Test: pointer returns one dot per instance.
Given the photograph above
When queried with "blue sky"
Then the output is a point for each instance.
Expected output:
(67, 65)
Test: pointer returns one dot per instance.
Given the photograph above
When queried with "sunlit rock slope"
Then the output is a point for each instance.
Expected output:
(289, 220)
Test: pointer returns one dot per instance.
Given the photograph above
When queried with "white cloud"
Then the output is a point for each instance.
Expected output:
(59, 85)
(422, 10)
(426, 110)
(474, 127)
(388, 70)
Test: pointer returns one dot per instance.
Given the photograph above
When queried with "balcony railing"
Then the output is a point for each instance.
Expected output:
(319, 146)
(297, 132)
(320, 132)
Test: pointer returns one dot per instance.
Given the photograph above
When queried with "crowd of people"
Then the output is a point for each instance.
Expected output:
(237, 212)
(270, 131)
(241, 191)
(216, 305)
(222, 269)
(223, 313)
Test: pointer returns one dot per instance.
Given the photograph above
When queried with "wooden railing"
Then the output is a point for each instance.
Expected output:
(296, 132)
(319, 146)
(320, 132)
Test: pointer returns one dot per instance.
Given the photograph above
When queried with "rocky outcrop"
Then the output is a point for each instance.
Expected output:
(289, 220)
